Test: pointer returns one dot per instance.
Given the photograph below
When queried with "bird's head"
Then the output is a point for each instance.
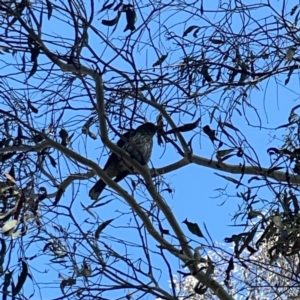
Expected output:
(149, 127)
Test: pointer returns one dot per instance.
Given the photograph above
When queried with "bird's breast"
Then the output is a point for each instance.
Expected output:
(140, 147)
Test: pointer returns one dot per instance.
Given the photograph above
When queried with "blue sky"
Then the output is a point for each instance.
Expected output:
(195, 196)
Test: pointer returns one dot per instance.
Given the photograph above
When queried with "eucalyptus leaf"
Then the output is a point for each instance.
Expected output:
(193, 228)
(101, 227)
(113, 21)
(189, 29)
(160, 60)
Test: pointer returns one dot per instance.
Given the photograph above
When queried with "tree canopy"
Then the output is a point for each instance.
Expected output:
(76, 75)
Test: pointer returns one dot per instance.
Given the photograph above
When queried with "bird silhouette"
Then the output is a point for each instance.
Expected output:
(138, 143)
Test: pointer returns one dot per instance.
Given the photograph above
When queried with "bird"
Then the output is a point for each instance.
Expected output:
(138, 143)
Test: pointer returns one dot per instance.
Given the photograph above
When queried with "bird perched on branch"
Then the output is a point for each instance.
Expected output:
(138, 143)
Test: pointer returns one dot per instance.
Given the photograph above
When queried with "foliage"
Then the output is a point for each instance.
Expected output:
(252, 276)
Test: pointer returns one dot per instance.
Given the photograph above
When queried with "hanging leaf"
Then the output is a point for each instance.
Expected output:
(67, 282)
(204, 72)
(252, 214)
(58, 196)
(290, 74)
(216, 107)
(211, 133)
(229, 269)
(33, 69)
(64, 135)
(290, 54)
(113, 21)
(101, 227)
(216, 41)
(236, 238)
(32, 108)
(293, 10)
(49, 8)
(52, 161)
(20, 135)
(160, 60)
(195, 34)
(249, 238)
(233, 73)
(185, 127)
(35, 51)
(189, 29)
(193, 228)
(229, 179)
(131, 19)
(219, 74)
(251, 250)
(86, 270)
(86, 128)
(3, 251)
(243, 77)
(4, 49)
(160, 124)
(21, 279)
(92, 135)
(228, 125)
(297, 18)
(87, 209)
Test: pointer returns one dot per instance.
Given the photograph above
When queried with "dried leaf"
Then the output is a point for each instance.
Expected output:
(193, 228)
(9, 226)
(101, 227)
(32, 108)
(21, 279)
(49, 8)
(160, 60)
(217, 41)
(185, 127)
(33, 70)
(189, 29)
(113, 21)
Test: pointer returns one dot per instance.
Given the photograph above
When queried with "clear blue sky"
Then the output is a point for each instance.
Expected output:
(194, 186)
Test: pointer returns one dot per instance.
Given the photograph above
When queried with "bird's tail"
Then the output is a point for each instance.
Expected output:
(97, 189)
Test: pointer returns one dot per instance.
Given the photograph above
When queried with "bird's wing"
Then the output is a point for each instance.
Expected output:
(121, 142)
(113, 158)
